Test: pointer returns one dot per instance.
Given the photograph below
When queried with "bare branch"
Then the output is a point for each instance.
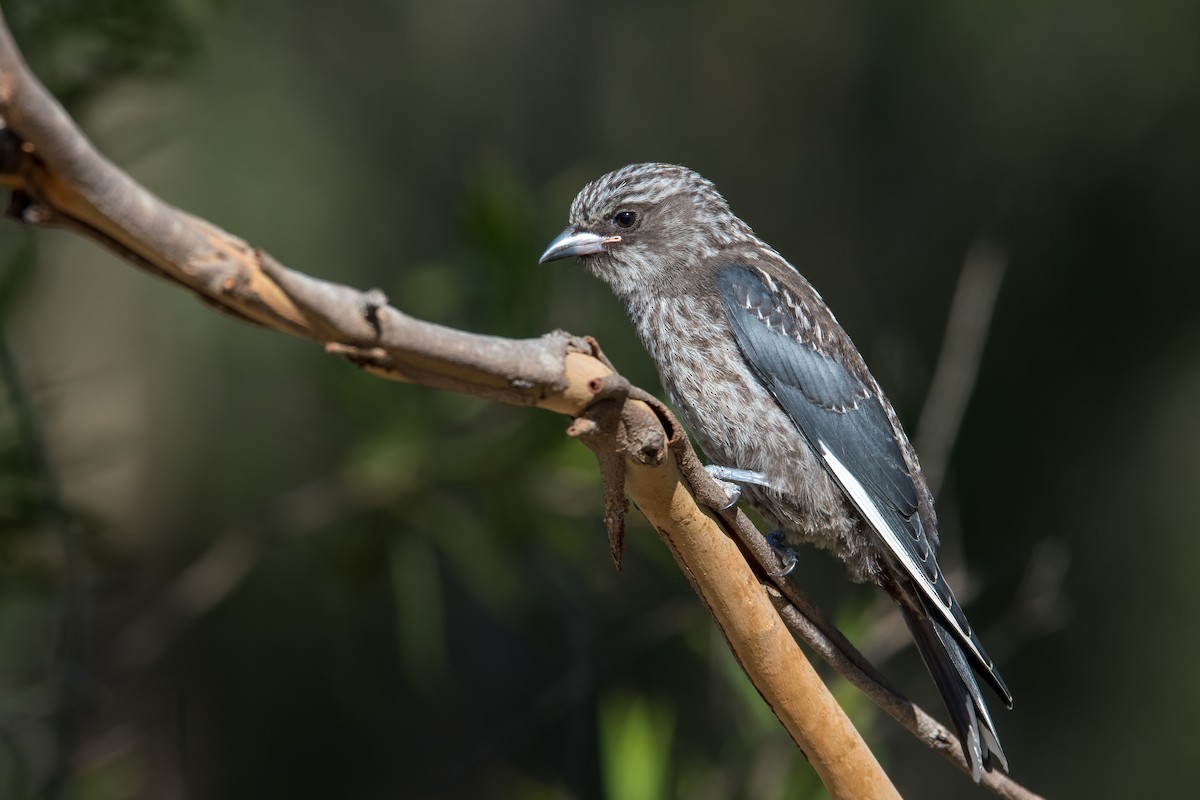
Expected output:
(58, 179)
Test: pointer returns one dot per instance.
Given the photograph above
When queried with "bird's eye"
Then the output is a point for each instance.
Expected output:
(624, 219)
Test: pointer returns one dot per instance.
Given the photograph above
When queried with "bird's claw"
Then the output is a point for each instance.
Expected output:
(786, 554)
(733, 493)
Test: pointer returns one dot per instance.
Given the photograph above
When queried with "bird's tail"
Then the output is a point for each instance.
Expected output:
(956, 682)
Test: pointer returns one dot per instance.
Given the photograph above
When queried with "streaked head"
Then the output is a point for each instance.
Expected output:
(645, 225)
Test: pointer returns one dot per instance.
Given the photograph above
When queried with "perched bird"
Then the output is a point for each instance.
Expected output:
(779, 399)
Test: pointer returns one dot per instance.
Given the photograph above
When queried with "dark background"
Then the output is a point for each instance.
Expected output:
(232, 567)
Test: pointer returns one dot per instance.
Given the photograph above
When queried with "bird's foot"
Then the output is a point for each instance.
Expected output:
(786, 554)
(730, 477)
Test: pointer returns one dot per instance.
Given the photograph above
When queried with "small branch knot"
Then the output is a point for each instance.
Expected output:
(582, 427)
(374, 300)
(645, 441)
(609, 387)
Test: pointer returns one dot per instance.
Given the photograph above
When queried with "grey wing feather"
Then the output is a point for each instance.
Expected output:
(841, 415)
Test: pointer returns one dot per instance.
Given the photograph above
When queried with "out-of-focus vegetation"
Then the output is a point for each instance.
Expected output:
(231, 566)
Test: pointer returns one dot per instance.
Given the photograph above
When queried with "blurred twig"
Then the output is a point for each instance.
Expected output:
(70, 671)
(1040, 604)
(958, 362)
(198, 589)
(219, 570)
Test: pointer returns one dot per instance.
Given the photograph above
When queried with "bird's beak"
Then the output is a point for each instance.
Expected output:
(572, 242)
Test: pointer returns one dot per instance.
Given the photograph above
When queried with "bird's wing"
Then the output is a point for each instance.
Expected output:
(786, 341)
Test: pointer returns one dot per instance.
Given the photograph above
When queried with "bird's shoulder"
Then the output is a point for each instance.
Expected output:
(770, 291)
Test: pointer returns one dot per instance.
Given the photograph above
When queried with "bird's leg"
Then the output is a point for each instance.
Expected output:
(785, 553)
(735, 475)
(730, 477)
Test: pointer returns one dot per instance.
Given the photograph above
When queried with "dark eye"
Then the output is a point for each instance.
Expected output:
(624, 219)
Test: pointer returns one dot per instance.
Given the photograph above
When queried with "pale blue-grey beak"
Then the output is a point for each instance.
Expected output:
(572, 242)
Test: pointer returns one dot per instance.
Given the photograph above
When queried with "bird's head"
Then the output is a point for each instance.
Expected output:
(646, 226)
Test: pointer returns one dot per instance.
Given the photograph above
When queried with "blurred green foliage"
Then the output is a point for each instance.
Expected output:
(635, 743)
(234, 567)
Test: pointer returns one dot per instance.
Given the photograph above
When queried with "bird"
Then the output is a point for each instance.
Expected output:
(780, 401)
